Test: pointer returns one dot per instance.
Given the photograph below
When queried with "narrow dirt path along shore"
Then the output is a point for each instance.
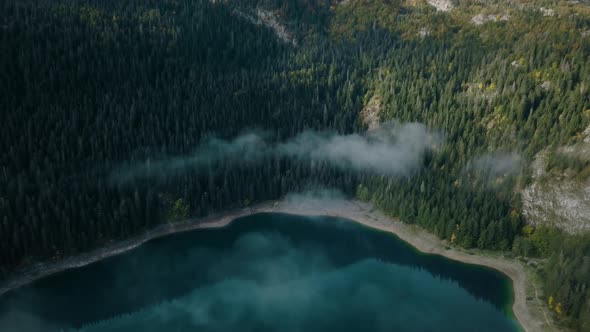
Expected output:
(529, 315)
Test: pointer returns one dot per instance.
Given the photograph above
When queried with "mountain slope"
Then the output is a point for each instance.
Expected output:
(95, 88)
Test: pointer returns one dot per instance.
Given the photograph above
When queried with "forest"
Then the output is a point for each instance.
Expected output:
(90, 88)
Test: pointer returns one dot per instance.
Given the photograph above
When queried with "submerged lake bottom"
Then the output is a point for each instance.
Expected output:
(267, 272)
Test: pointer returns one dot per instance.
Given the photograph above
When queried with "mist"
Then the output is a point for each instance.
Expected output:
(317, 199)
(494, 171)
(496, 165)
(392, 149)
(246, 147)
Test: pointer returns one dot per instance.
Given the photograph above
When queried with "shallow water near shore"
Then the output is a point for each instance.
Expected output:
(267, 272)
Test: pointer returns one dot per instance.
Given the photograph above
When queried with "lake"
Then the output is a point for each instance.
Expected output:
(268, 272)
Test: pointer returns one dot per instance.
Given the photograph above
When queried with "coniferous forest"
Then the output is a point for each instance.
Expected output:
(90, 87)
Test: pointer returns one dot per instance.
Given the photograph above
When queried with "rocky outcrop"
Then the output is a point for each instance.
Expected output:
(371, 112)
(563, 204)
(270, 20)
(441, 5)
(480, 19)
(560, 200)
(424, 32)
(547, 12)
(546, 85)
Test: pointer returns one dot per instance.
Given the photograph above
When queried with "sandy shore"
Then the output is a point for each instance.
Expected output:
(528, 312)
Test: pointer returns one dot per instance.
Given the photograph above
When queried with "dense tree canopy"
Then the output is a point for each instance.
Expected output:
(88, 86)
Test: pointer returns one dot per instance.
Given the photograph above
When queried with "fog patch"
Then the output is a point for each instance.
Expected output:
(315, 199)
(497, 164)
(392, 149)
(492, 169)
(247, 147)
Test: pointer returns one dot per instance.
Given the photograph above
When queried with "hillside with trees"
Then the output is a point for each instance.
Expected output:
(90, 88)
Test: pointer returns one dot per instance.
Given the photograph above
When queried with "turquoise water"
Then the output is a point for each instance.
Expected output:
(268, 272)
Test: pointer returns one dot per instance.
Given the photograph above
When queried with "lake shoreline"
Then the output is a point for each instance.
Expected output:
(356, 211)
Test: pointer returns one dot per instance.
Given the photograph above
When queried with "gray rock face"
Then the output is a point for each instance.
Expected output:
(269, 19)
(480, 19)
(564, 204)
(371, 113)
(557, 200)
(441, 5)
